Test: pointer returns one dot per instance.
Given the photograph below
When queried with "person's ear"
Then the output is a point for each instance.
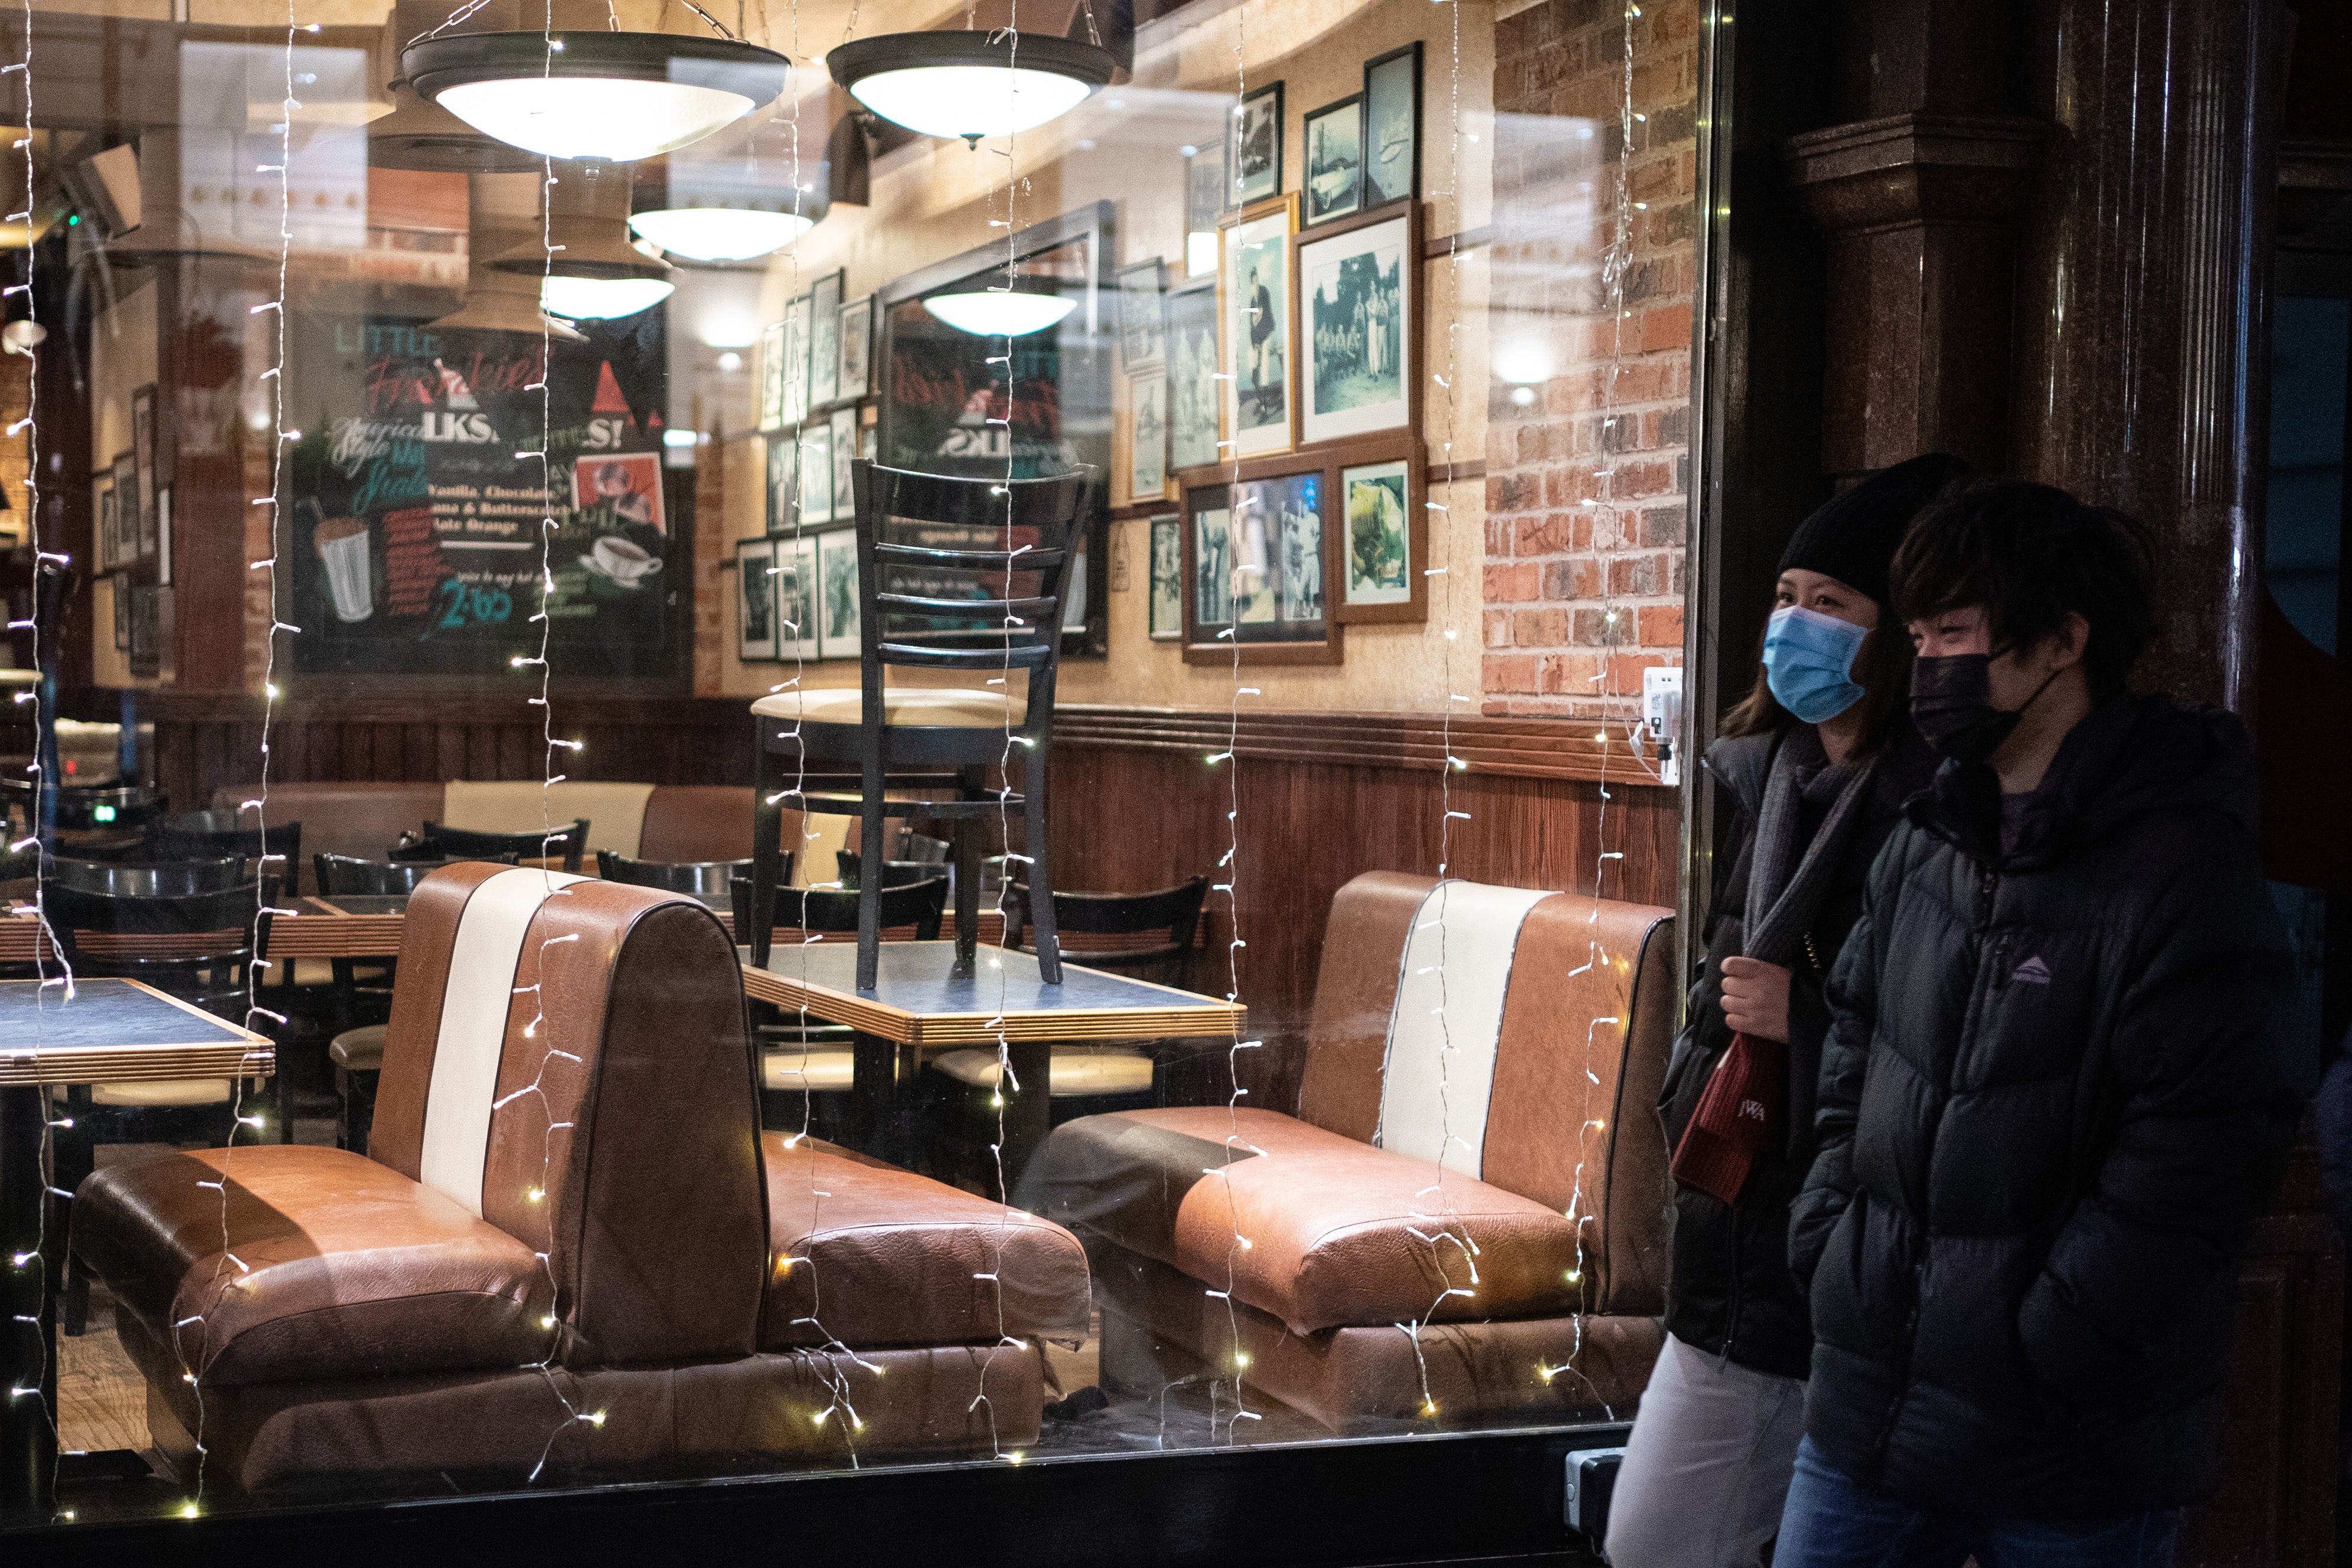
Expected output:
(2069, 642)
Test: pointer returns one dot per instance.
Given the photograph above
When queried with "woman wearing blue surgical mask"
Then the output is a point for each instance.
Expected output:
(1810, 772)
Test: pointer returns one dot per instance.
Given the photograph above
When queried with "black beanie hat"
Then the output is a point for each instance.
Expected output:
(1853, 535)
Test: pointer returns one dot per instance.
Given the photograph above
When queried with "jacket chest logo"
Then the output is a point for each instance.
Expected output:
(2033, 971)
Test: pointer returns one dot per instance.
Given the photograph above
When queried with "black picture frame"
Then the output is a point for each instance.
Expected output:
(855, 377)
(122, 613)
(1268, 503)
(756, 639)
(825, 341)
(1325, 133)
(1391, 102)
(1142, 316)
(780, 468)
(1255, 161)
(143, 452)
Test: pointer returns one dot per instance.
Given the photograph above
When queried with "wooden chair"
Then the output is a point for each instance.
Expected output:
(198, 947)
(442, 843)
(961, 575)
(799, 1060)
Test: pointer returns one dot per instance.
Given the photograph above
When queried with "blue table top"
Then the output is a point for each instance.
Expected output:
(103, 1013)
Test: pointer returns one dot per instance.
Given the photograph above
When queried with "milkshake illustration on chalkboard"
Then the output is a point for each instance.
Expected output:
(342, 546)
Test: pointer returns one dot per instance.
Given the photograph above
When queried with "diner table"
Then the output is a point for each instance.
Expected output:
(109, 1031)
(919, 1005)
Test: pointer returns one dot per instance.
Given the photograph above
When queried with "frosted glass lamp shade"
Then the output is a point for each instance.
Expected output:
(614, 97)
(969, 84)
(998, 314)
(720, 233)
(601, 299)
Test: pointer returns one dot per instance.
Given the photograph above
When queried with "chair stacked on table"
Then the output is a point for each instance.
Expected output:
(505, 1276)
(1466, 1219)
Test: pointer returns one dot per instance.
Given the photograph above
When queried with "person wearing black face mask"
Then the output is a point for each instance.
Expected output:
(2057, 1089)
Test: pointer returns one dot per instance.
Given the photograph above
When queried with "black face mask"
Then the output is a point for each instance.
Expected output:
(1952, 702)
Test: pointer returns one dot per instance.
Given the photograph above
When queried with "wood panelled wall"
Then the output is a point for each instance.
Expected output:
(1318, 799)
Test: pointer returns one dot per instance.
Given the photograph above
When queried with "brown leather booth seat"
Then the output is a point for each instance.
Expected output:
(557, 1259)
(1466, 1218)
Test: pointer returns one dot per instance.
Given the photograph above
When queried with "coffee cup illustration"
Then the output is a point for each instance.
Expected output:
(622, 561)
(342, 546)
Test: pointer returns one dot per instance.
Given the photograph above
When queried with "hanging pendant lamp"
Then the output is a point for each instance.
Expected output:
(969, 84)
(733, 199)
(595, 274)
(1030, 305)
(574, 90)
(502, 215)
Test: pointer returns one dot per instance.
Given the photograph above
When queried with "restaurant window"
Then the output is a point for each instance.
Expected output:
(471, 475)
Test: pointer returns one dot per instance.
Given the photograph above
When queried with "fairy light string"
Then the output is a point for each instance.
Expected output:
(1609, 509)
(46, 946)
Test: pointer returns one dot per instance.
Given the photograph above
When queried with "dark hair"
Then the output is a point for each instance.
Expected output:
(1883, 669)
(2031, 555)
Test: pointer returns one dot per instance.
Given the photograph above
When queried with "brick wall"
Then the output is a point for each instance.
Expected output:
(1586, 505)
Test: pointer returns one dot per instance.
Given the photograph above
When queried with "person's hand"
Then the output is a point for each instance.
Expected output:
(1756, 998)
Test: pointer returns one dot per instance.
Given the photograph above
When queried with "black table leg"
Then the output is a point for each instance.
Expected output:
(882, 1092)
(1028, 1114)
(28, 1350)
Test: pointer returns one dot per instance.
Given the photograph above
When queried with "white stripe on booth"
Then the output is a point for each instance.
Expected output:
(473, 1035)
(1438, 1072)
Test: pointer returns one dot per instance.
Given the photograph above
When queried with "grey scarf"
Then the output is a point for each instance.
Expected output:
(1784, 892)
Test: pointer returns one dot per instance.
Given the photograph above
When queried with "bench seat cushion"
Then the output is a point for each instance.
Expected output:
(334, 1266)
(1339, 1232)
(866, 1253)
(952, 706)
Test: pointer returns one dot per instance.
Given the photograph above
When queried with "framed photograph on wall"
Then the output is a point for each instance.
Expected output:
(101, 488)
(1257, 147)
(796, 361)
(1258, 335)
(1167, 585)
(784, 481)
(1356, 327)
(126, 508)
(755, 600)
(1383, 544)
(1142, 322)
(163, 535)
(142, 453)
(825, 341)
(1147, 452)
(816, 473)
(772, 375)
(1207, 194)
(844, 452)
(1335, 160)
(796, 627)
(122, 597)
(855, 377)
(1257, 560)
(837, 610)
(1193, 396)
(1393, 126)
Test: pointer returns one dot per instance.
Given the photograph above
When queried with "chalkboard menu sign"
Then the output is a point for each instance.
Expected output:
(418, 501)
(945, 409)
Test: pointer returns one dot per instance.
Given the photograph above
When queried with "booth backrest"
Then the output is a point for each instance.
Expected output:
(1516, 1036)
(643, 822)
(567, 1058)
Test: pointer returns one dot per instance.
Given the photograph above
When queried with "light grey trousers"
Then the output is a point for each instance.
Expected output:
(1708, 1465)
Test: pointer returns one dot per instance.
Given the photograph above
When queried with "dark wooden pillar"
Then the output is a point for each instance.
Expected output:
(2142, 306)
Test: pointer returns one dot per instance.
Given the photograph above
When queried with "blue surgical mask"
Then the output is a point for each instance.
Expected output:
(1809, 662)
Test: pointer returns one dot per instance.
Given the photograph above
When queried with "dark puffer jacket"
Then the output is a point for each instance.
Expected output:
(1730, 1292)
(2054, 1098)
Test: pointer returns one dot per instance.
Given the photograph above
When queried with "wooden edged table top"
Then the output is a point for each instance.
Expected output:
(118, 1031)
(918, 1000)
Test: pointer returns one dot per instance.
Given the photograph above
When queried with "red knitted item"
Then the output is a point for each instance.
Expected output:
(1738, 1115)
